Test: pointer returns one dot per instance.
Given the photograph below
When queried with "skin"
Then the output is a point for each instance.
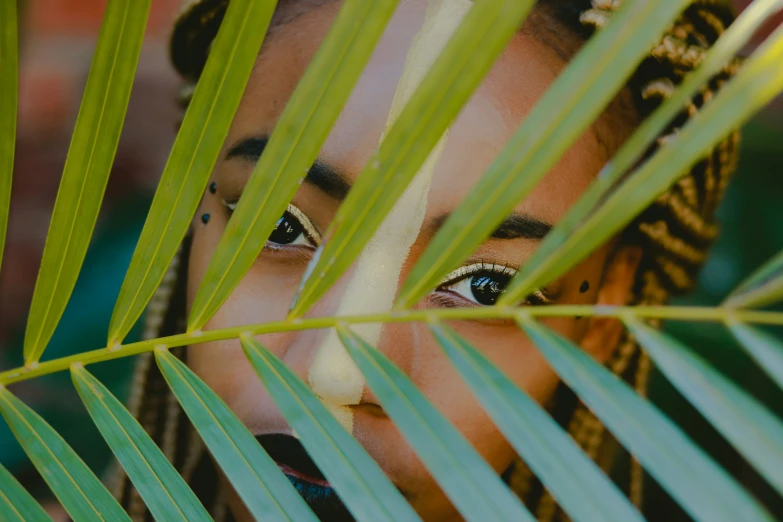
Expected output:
(509, 92)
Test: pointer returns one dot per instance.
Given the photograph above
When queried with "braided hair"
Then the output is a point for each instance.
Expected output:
(674, 233)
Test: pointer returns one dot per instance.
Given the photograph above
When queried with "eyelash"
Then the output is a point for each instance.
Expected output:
(310, 232)
(537, 297)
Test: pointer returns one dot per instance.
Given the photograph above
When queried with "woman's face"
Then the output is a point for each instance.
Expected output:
(518, 79)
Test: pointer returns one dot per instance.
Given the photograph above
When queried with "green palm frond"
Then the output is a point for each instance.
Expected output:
(256, 478)
(192, 157)
(292, 149)
(424, 110)
(86, 172)
(9, 94)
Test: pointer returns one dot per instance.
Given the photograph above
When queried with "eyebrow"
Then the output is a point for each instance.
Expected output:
(320, 175)
(333, 184)
(516, 226)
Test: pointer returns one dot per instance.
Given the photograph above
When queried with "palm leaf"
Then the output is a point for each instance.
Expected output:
(562, 114)
(16, 504)
(474, 488)
(765, 349)
(9, 93)
(702, 488)
(458, 70)
(358, 480)
(75, 486)
(293, 148)
(192, 157)
(753, 87)
(258, 481)
(574, 480)
(749, 426)
(87, 167)
(156, 480)
(763, 287)
(650, 129)
(425, 105)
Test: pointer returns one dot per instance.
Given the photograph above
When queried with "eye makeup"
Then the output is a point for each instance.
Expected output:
(293, 220)
(482, 283)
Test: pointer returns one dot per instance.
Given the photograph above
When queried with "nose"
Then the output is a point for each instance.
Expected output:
(369, 287)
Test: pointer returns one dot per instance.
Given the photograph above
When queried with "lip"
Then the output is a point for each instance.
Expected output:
(292, 457)
(304, 475)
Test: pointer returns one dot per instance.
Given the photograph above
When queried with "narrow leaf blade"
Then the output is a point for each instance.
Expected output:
(164, 491)
(576, 482)
(727, 46)
(569, 106)
(747, 425)
(754, 86)
(361, 484)
(9, 95)
(292, 149)
(86, 172)
(257, 479)
(16, 504)
(195, 151)
(701, 487)
(765, 349)
(763, 287)
(459, 69)
(471, 484)
(75, 486)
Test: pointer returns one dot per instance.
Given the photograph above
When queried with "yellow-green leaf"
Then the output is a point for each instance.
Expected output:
(293, 147)
(256, 478)
(759, 81)
(727, 46)
(459, 70)
(164, 491)
(9, 94)
(195, 151)
(75, 486)
(87, 167)
(569, 106)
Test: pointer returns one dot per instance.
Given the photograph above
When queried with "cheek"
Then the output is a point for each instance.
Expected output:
(506, 347)
(509, 349)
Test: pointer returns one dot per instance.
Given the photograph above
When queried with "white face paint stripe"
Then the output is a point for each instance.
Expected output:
(333, 375)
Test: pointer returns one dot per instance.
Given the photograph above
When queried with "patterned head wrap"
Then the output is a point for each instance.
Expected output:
(675, 233)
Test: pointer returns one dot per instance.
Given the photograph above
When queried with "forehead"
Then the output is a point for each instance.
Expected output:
(521, 75)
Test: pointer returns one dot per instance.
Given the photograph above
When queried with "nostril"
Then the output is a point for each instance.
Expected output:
(370, 408)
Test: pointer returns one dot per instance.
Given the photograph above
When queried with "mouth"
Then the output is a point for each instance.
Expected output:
(296, 464)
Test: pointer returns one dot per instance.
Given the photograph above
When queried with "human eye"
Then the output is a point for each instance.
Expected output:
(293, 228)
(482, 283)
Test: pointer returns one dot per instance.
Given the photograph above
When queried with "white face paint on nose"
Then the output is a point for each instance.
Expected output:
(333, 375)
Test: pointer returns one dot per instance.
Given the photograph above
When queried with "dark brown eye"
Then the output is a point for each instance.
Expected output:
(293, 228)
(486, 288)
(288, 231)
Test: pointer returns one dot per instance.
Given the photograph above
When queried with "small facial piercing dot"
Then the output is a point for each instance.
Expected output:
(205, 218)
(585, 286)
(212, 187)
